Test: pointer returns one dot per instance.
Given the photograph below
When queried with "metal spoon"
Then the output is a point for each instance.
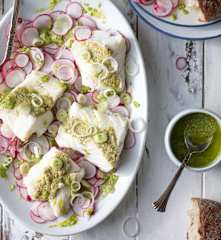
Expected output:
(161, 203)
(10, 41)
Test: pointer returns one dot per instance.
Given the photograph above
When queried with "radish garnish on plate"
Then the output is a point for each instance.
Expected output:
(30, 37)
(62, 24)
(21, 60)
(37, 57)
(82, 33)
(43, 21)
(75, 10)
(15, 77)
(45, 212)
(87, 21)
(162, 8)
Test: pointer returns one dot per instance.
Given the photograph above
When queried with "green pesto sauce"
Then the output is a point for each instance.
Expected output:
(71, 221)
(25, 96)
(198, 127)
(48, 37)
(85, 133)
(109, 185)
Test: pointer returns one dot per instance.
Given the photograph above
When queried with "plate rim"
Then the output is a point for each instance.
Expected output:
(176, 24)
(165, 32)
(139, 157)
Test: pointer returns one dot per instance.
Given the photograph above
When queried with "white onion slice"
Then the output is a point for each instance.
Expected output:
(111, 64)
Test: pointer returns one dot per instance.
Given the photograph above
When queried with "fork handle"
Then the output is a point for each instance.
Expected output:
(161, 203)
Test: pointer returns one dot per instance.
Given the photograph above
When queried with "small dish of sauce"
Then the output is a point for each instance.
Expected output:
(199, 125)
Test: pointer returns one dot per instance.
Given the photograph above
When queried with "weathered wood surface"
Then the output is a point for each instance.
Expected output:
(170, 91)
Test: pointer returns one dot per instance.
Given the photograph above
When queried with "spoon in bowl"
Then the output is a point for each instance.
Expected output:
(193, 148)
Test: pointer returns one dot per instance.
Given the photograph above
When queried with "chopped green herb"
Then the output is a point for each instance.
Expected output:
(85, 89)
(12, 187)
(136, 104)
(72, 220)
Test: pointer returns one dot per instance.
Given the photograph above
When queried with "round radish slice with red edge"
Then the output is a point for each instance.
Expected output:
(1, 78)
(145, 2)
(43, 21)
(35, 218)
(15, 77)
(47, 63)
(87, 21)
(34, 208)
(65, 69)
(24, 194)
(64, 54)
(6, 131)
(3, 144)
(7, 67)
(121, 110)
(130, 140)
(20, 183)
(75, 10)
(55, 14)
(30, 37)
(175, 3)
(28, 68)
(37, 58)
(82, 33)
(17, 174)
(45, 212)
(62, 24)
(21, 60)
(162, 8)
(90, 170)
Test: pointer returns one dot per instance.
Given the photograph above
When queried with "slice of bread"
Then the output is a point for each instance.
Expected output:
(205, 220)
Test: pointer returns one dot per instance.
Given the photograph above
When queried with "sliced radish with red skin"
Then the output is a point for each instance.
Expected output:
(43, 21)
(90, 170)
(145, 2)
(15, 77)
(62, 24)
(34, 208)
(175, 3)
(78, 84)
(55, 14)
(51, 49)
(35, 218)
(65, 69)
(92, 181)
(64, 54)
(99, 183)
(21, 60)
(96, 192)
(4, 144)
(37, 58)
(1, 78)
(45, 212)
(7, 67)
(17, 174)
(90, 100)
(30, 36)
(82, 33)
(24, 194)
(47, 63)
(87, 21)
(130, 140)
(16, 164)
(6, 131)
(28, 68)
(75, 10)
(20, 183)
(162, 8)
(121, 110)
(19, 31)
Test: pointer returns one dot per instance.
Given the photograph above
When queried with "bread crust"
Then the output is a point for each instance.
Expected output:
(211, 9)
(208, 221)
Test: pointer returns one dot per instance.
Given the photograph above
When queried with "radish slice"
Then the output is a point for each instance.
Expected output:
(7, 67)
(145, 2)
(6, 131)
(113, 101)
(47, 63)
(162, 8)
(37, 58)
(34, 208)
(96, 191)
(3, 144)
(175, 3)
(28, 68)
(62, 24)
(111, 64)
(24, 194)
(65, 70)
(75, 10)
(17, 174)
(87, 21)
(130, 141)
(15, 77)
(137, 125)
(20, 183)
(43, 21)
(35, 218)
(82, 33)
(55, 14)
(45, 212)
(30, 37)
(64, 54)
(121, 110)
(21, 60)
(90, 170)
(1, 78)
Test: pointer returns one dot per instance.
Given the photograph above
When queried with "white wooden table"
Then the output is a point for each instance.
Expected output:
(170, 91)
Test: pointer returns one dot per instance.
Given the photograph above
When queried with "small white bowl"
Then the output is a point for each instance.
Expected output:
(168, 136)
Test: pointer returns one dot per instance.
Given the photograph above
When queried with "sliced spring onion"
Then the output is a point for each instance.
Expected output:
(101, 137)
(61, 115)
(99, 71)
(53, 128)
(126, 98)
(24, 168)
(137, 125)
(63, 103)
(102, 106)
(109, 92)
(86, 55)
(113, 101)
(82, 99)
(111, 64)
(36, 100)
(75, 186)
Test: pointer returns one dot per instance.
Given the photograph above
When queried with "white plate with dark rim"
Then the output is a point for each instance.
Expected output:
(186, 33)
(192, 19)
(130, 160)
